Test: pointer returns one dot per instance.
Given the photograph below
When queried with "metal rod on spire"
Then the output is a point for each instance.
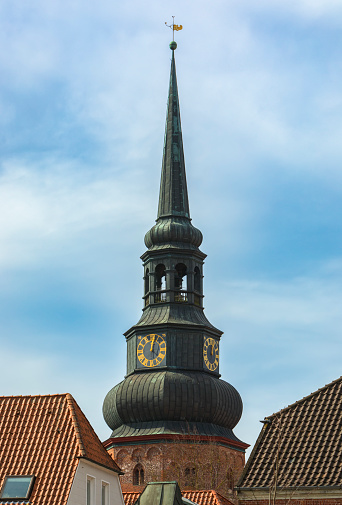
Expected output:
(174, 27)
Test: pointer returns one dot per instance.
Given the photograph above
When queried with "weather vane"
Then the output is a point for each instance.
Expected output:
(174, 27)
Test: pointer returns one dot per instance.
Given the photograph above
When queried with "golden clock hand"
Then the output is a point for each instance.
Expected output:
(152, 342)
(212, 350)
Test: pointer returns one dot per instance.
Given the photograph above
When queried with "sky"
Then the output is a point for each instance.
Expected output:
(83, 91)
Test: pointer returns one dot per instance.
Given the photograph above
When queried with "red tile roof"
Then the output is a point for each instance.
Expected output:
(301, 444)
(130, 498)
(206, 497)
(45, 436)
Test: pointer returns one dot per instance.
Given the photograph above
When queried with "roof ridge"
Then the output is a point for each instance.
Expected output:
(335, 381)
(34, 396)
(70, 402)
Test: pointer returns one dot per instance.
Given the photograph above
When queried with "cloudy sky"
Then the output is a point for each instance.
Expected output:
(83, 90)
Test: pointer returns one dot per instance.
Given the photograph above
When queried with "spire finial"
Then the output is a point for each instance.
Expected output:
(173, 44)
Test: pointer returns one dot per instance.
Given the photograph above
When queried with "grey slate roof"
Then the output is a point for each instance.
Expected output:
(304, 443)
(174, 314)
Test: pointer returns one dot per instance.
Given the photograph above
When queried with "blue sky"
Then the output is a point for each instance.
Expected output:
(83, 92)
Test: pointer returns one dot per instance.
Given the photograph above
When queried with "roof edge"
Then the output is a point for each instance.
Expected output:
(70, 402)
(102, 465)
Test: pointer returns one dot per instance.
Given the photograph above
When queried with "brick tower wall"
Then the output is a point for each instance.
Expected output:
(195, 465)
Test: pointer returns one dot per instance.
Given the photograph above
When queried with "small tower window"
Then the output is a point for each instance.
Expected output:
(138, 475)
(197, 286)
(160, 283)
(181, 283)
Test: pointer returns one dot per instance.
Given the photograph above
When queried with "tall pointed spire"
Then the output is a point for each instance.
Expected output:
(173, 196)
(173, 388)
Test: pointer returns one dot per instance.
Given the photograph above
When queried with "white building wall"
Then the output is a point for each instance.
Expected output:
(78, 492)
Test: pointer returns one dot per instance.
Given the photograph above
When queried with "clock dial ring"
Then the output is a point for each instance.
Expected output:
(151, 349)
(211, 353)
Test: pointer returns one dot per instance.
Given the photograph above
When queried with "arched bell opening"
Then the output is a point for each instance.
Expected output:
(197, 286)
(146, 286)
(197, 280)
(160, 283)
(138, 475)
(181, 283)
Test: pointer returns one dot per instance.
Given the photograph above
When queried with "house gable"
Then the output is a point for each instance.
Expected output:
(45, 436)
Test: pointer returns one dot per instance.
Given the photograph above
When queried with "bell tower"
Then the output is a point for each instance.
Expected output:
(172, 416)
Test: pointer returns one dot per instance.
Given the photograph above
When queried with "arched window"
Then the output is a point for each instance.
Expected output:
(138, 475)
(181, 283)
(160, 283)
(190, 476)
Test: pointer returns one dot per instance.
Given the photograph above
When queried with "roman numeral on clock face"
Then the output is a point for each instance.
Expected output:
(151, 350)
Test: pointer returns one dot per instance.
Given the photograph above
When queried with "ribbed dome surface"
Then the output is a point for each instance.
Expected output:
(172, 396)
(173, 230)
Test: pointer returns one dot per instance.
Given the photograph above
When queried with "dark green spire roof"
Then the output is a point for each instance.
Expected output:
(173, 196)
(173, 227)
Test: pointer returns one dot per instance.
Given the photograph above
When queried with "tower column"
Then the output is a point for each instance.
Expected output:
(172, 417)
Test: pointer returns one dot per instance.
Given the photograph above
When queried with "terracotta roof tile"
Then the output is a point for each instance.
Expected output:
(304, 439)
(130, 498)
(206, 497)
(45, 436)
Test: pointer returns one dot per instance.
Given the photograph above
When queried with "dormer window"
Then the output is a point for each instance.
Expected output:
(17, 486)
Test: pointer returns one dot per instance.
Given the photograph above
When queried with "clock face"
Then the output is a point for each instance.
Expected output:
(151, 349)
(211, 353)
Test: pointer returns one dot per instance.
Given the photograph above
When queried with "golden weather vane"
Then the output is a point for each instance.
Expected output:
(174, 27)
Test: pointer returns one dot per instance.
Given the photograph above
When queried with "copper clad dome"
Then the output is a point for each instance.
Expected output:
(172, 396)
(173, 230)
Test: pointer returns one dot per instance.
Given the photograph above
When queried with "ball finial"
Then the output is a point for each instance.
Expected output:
(173, 45)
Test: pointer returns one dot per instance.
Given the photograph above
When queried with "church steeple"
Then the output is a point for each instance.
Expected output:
(173, 196)
(173, 383)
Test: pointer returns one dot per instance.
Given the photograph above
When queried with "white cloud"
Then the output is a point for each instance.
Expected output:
(255, 101)
(282, 338)
(47, 202)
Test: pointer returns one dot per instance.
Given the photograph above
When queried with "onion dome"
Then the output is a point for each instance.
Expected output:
(174, 229)
(147, 397)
